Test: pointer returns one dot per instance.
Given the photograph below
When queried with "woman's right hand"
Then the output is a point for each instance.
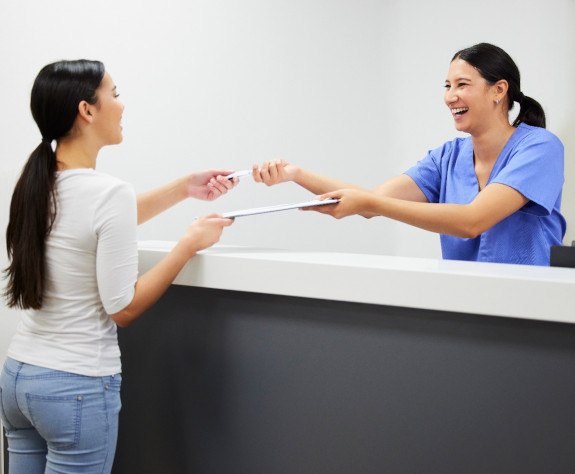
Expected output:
(274, 172)
(204, 232)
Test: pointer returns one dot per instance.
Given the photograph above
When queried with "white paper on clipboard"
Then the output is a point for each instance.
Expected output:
(279, 207)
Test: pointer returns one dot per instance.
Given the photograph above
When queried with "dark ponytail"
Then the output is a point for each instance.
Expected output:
(530, 112)
(58, 90)
(494, 64)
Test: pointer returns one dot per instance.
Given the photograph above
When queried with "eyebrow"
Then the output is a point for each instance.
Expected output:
(459, 79)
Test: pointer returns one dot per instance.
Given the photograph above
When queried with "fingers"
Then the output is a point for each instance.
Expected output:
(265, 173)
(221, 172)
(332, 194)
(256, 173)
(273, 170)
(221, 184)
(269, 173)
(206, 230)
(328, 209)
(216, 219)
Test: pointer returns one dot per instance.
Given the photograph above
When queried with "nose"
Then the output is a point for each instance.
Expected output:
(450, 96)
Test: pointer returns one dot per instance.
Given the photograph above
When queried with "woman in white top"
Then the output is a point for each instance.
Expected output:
(72, 246)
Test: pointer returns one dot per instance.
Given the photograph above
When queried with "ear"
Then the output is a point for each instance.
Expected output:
(500, 89)
(85, 111)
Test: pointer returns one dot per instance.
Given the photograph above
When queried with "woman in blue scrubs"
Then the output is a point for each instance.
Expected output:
(493, 196)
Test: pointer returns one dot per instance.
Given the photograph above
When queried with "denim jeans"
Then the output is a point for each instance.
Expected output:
(58, 422)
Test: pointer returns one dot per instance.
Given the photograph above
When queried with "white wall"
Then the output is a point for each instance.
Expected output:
(351, 88)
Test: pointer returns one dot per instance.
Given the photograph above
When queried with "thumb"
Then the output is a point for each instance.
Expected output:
(332, 194)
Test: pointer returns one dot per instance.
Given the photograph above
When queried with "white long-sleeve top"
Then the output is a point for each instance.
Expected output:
(92, 268)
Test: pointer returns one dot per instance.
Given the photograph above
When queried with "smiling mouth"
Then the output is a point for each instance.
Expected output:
(459, 111)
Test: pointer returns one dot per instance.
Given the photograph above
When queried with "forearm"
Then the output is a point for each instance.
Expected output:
(490, 206)
(459, 220)
(319, 184)
(400, 187)
(156, 201)
(152, 285)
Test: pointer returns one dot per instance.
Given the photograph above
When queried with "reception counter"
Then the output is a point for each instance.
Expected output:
(518, 291)
(270, 361)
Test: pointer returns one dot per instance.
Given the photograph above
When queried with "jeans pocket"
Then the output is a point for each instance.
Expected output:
(113, 386)
(115, 382)
(57, 419)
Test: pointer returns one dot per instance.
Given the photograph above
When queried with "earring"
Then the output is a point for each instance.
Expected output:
(497, 102)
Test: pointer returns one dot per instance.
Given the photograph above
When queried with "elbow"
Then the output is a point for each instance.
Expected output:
(471, 230)
(121, 323)
(467, 234)
(126, 316)
(471, 223)
(123, 319)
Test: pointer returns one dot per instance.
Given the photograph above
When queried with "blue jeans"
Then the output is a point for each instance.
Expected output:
(58, 422)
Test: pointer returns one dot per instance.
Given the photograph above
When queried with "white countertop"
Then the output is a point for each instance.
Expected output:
(517, 291)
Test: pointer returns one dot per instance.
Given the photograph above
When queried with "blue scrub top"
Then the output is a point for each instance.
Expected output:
(532, 163)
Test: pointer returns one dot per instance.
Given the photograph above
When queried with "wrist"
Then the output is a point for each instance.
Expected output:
(182, 187)
(297, 174)
(371, 203)
(185, 249)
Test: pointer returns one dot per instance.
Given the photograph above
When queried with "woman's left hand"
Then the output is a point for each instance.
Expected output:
(351, 201)
(209, 185)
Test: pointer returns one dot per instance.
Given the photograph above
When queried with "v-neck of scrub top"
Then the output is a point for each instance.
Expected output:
(471, 180)
(497, 165)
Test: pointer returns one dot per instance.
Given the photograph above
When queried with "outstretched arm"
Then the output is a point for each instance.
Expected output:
(203, 233)
(280, 171)
(492, 205)
(205, 185)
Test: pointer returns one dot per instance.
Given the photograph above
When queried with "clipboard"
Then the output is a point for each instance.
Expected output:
(279, 207)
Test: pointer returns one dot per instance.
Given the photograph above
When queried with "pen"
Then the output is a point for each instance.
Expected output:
(237, 174)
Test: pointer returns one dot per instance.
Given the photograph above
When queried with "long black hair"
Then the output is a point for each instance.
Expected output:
(494, 64)
(57, 91)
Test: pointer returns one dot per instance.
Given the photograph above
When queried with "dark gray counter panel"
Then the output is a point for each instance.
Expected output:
(221, 382)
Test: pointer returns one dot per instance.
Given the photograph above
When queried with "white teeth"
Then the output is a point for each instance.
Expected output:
(459, 110)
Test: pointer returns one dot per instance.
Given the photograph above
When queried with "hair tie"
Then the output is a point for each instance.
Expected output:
(46, 140)
(520, 97)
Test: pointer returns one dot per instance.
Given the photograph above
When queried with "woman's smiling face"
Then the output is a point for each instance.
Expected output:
(469, 96)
